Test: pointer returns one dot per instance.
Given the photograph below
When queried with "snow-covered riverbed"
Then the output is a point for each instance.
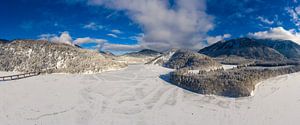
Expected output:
(137, 96)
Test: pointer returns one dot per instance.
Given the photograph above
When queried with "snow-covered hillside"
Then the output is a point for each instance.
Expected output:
(137, 96)
(37, 55)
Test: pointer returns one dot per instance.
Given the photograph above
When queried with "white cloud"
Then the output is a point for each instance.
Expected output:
(137, 37)
(116, 31)
(276, 19)
(183, 25)
(297, 10)
(89, 40)
(294, 13)
(264, 20)
(121, 47)
(101, 44)
(46, 36)
(104, 45)
(64, 38)
(211, 40)
(93, 26)
(112, 35)
(277, 33)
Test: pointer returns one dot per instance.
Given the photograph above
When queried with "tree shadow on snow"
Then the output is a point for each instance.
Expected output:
(166, 78)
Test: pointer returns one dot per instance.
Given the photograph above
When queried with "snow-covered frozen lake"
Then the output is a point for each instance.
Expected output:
(137, 96)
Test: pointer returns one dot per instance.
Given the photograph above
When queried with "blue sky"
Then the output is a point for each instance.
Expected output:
(129, 25)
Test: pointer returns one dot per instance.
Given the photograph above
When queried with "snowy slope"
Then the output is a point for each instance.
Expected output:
(37, 55)
(137, 96)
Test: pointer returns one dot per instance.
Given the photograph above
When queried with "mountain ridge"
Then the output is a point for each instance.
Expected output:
(258, 49)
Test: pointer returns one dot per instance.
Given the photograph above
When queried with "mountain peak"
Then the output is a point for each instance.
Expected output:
(258, 49)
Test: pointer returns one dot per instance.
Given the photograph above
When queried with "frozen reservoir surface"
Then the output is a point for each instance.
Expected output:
(138, 96)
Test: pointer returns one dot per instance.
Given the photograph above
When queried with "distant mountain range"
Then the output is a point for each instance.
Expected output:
(241, 51)
(140, 57)
(199, 72)
(144, 52)
(27, 54)
(257, 49)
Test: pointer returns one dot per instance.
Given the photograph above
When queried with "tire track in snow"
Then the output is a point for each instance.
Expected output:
(50, 114)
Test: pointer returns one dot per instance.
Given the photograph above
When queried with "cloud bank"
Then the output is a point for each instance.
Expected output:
(277, 33)
(182, 25)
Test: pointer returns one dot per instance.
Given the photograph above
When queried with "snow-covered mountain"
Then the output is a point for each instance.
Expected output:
(258, 49)
(140, 57)
(176, 59)
(163, 58)
(32, 55)
(144, 52)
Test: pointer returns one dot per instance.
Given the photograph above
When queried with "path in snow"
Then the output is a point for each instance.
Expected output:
(137, 96)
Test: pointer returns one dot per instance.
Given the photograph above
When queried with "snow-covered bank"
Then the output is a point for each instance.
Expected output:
(8, 73)
(137, 96)
(226, 67)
